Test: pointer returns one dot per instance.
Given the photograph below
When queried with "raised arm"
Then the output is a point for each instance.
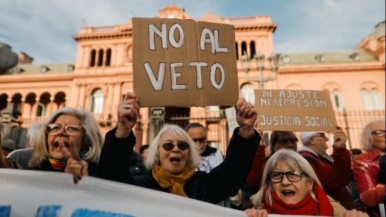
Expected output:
(119, 142)
(128, 112)
(233, 171)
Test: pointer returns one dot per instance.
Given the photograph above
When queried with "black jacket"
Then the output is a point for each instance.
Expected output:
(222, 182)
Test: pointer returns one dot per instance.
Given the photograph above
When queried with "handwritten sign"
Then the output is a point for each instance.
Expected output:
(295, 110)
(184, 63)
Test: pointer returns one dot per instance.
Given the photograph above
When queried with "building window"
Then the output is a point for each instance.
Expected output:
(244, 48)
(252, 48)
(248, 93)
(93, 56)
(371, 100)
(41, 110)
(320, 58)
(97, 102)
(337, 100)
(108, 57)
(237, 50)
(100, 57)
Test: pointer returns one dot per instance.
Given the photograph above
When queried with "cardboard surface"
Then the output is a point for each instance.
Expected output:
(295, 110)
(184, 63)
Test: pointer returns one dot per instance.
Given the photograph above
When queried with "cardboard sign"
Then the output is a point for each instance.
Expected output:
(295, 110)
(184, 63)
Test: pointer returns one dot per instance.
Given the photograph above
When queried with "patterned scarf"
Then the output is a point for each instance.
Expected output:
(307, 206)
(57, 164)
(174, 183)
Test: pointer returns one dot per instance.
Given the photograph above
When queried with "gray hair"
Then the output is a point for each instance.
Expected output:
(367, 139)
(92, 142)
(33, 132)
(195, 125)
(295, 161)
(153, 157)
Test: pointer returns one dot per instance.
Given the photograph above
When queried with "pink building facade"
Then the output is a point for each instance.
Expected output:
(102, 74)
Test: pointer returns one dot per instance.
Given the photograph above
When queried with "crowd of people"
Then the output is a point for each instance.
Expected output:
(257, 177)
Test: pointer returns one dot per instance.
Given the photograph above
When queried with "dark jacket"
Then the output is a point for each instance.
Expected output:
(334, 175)
(223, 181)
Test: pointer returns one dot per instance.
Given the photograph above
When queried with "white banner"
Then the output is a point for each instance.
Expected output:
(25, 193)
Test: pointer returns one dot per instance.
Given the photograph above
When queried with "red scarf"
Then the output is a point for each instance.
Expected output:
(307, 206)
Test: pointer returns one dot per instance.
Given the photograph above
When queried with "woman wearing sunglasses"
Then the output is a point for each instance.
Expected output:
(173, 157)
(290, 186)
(70, 142)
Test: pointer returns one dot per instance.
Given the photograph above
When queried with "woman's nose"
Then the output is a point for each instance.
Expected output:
(285, 180)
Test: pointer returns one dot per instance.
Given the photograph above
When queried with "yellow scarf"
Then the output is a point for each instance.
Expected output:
(174, 183)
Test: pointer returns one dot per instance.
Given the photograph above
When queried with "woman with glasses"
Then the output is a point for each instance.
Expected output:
(290, 186)
(173, 157)
(70, 142)
(279, 140)
(367, 168)
(334, 172)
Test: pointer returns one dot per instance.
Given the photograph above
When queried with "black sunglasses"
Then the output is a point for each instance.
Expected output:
(200, 140)
(292, 176)
(181, 145)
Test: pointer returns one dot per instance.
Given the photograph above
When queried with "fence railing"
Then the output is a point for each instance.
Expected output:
(353, 123)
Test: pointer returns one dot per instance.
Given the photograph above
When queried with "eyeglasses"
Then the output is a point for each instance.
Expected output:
(290, 140)
(181, 145)
(200, 140)
(71, 129)
(292, 176)
(379, 132)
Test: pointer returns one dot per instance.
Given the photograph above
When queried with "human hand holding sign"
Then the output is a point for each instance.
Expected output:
(246, 116)
(128, 112)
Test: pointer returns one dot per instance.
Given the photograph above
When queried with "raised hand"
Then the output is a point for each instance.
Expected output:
(128, 112)
(340, 138)
(246, 116)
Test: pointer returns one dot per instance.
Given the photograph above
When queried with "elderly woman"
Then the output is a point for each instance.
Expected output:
(366, 167)
(70, 142)
(173, 157)
(290, 186)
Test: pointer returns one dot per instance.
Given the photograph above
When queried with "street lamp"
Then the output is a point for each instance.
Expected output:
(245, 63)
(260, 60)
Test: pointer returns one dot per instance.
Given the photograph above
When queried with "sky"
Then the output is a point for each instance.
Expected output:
(44, 29)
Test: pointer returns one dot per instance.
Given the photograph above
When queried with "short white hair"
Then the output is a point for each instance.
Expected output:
(153, 157)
